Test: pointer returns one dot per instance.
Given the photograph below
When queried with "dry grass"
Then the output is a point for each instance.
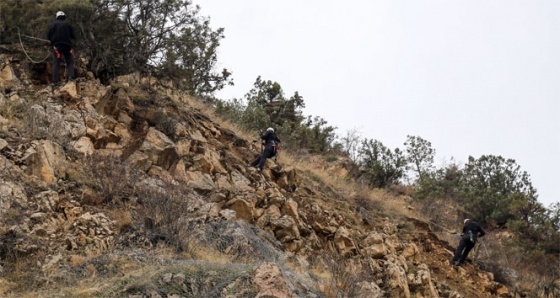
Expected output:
(14, 111)
(209, 111)
(207, 254)
(122, 218)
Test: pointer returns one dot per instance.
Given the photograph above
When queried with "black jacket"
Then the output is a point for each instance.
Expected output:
(269, 138)
(474, 229)
(60, 33)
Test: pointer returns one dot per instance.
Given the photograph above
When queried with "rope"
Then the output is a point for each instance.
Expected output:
(23, 49)
(444, 228)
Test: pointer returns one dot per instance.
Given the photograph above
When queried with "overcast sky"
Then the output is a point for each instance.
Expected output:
(472, 77)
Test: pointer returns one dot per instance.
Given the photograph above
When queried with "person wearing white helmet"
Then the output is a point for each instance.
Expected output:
(270, 142)
(471, 231)
(61, 36)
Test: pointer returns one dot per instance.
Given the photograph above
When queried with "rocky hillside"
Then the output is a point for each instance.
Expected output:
(134, 189)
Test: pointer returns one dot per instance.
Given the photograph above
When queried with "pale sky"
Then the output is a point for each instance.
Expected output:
(472, 77)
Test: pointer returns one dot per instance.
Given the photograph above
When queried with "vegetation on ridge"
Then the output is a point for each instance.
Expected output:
(167, 39)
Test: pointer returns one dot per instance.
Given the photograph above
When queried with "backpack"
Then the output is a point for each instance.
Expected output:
(275, 149)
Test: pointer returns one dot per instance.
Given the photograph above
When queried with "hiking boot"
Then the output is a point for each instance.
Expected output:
(259, 170)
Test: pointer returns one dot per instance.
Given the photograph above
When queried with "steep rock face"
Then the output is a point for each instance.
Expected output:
(168, 140)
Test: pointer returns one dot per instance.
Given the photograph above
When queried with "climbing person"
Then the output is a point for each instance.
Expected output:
(270, 142)
(60, 35)
(471, 231)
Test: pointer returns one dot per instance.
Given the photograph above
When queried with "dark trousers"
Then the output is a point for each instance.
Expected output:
(68, 57)
(260, 161)
(463, 250)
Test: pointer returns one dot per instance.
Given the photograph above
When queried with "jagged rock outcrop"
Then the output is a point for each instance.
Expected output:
(285, 214)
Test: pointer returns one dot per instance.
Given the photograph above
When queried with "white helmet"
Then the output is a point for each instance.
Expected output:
(270, 129)
(60, 14)
(465, 221)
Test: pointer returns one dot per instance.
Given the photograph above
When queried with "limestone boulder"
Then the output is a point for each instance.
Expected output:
(160, 149)
(3, 145)
(396, 281)
(46, 201)
(285, 229)
(56, 121)
(502, 291)
(228, 214)
(45, 160)
(197, 137)
(390, 228)
(40, 121)
(496, 289)
(160, 174)
(373, 238)
(290, 208)
(369, 289)
(73, 125)
(323, 229)
(93, 90)
(421, 282)
(140, 160)
(4, 123)
(7, 75)
(410, 252)
(288, 178)
(242, 208)
(183, 147)
(267, 216)
(124, 136)
(96, 131)
(223, 183)
(69, 91)
(343, 241)
(84, 146)
(376, 251)
(114, 103)
(200, 182)
(240, 182)
(275, 197)
(11, 194)
(208, 162)
(270, 282)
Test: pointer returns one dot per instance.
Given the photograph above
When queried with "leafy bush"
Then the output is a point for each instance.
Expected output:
(421, 154)
(265, 106)
(490, 185)
(382, 166)
(166, 38)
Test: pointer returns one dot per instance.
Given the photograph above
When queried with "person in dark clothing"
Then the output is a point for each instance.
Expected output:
(471, 231)
(60, 35)
(270, 141)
